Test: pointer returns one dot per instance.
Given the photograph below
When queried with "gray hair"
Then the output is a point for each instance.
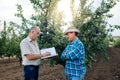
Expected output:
(33, 29)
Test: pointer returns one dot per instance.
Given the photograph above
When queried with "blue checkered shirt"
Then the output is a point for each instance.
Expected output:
(74, 55)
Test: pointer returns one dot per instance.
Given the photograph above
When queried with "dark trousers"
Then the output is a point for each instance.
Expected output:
(31, 72)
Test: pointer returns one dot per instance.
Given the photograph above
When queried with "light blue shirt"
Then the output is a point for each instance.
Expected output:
(74, 54)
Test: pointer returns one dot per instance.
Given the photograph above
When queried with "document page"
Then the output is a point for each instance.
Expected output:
(51, 50)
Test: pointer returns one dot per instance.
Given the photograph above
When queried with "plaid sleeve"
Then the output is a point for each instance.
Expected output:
(62, 56)
(76, 53)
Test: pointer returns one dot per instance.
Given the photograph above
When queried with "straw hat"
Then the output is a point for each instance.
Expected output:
(71, 29)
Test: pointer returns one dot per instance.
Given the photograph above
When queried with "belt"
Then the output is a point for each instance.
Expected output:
(31, 65)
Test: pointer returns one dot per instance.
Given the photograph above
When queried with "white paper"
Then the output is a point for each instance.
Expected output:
(51, 50)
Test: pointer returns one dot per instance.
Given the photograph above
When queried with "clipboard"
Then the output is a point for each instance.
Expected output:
(51, 50)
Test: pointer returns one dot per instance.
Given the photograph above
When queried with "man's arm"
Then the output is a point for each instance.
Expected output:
(26, 52)
(76, 53)
(36, 56)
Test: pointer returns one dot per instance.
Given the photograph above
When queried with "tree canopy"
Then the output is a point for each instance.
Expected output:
(92, 25)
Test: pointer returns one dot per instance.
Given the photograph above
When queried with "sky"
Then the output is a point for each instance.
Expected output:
(115, 20)
(8, 9)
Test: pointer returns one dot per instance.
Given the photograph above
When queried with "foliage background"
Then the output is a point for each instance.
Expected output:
(93, 26)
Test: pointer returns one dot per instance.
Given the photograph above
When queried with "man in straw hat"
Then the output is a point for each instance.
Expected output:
(74, 55)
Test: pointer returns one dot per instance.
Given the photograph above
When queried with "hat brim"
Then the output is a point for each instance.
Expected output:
(74, 30)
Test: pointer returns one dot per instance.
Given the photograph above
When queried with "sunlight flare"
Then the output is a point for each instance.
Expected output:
(64, 6)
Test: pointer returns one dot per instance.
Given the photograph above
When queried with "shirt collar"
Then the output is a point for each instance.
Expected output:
(29, 39)
(73, 41)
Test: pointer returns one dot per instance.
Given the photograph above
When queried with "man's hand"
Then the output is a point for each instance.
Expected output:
(46, 54)
(56, 56)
